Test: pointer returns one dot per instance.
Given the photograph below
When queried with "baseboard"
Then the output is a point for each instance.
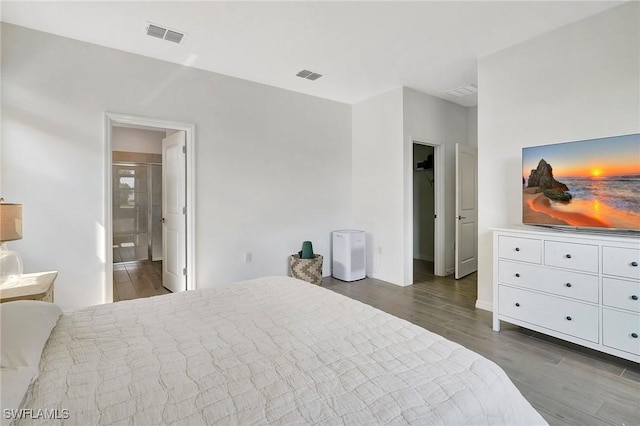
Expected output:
(425, 257)
(485, 306)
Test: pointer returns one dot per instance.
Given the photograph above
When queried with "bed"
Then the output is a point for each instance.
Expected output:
(272, 350)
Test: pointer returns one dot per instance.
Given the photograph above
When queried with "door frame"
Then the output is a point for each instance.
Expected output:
(439, 208)
(112, 119)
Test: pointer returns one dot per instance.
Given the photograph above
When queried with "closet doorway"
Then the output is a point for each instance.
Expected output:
(424, 211)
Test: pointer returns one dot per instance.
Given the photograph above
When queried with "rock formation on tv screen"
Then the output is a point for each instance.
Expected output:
(542, 177)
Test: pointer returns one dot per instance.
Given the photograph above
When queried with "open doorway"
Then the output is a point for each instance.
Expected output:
(149, 229)
(424, 211)
(429, 176)
(137, 193)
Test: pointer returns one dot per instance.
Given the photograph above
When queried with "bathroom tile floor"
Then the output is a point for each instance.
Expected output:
(133, 280)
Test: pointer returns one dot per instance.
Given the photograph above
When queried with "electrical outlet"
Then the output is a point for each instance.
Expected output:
(247, 257)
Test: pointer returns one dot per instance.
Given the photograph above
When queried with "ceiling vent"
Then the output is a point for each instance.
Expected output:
(157, 31)
(461, 92)
(309, 75)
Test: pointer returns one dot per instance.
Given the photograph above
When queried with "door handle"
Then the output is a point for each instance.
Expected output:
(460, 217)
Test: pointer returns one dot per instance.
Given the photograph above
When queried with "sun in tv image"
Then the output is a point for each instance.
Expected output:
(589, 184)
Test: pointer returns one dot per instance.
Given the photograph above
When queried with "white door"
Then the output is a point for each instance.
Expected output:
(174, 273)
(466, 249)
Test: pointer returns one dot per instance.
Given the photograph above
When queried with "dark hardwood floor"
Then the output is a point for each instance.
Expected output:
(133, 280)
(567, 384)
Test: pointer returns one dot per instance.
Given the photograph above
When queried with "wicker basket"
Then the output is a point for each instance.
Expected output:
(309, 270)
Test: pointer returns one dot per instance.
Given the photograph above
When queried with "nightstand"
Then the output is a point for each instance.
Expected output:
(38, 286)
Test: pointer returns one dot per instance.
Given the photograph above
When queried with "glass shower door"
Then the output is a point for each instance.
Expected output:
(131, 197)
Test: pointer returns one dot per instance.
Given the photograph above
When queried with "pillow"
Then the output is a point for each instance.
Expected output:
(14, 383)
(25, 326)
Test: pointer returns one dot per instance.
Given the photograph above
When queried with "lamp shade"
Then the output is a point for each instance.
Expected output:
(10, 222)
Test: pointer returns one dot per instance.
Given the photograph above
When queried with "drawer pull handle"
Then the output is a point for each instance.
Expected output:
(634, 297)
(569, 318)
(517, 305)
(634, 335)
(517, 275)
(634, 264)
(568, 256)
(517, 248)
(567, 285)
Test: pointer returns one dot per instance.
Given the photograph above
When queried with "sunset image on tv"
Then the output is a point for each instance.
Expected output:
(589, 184)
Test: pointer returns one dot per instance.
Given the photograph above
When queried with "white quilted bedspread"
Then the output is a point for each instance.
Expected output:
(266, 351)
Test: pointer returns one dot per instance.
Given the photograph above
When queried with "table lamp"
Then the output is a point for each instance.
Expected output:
(10, 230)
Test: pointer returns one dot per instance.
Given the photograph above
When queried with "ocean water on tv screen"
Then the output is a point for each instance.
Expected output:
(610, 201)
(619, 192)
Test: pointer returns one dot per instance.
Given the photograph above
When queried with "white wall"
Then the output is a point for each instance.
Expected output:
(377, 175)
(472, 126)
(137, 140)
(273, 166)
(578, 82)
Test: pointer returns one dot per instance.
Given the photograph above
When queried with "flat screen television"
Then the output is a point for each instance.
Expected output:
(591, 185)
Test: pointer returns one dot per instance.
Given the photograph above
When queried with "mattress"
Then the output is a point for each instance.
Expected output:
(273, 350)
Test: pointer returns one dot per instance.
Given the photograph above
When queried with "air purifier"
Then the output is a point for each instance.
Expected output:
(348, 261)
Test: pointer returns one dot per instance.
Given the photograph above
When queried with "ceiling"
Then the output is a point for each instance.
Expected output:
(361, 48)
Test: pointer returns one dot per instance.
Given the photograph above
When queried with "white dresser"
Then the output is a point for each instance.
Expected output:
(582, 288)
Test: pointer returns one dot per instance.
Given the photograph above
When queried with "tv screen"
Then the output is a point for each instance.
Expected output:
(591, 184)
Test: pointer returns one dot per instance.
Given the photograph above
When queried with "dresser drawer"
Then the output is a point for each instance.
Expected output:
(565, 316)
(522, 249)
(621, 294)
(622, 262)
(621, 330)
(564, 283)
(579, 257)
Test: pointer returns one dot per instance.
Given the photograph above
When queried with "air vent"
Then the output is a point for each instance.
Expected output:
(173, 36)
(309, 75)
(461, 92)
(157, 31)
